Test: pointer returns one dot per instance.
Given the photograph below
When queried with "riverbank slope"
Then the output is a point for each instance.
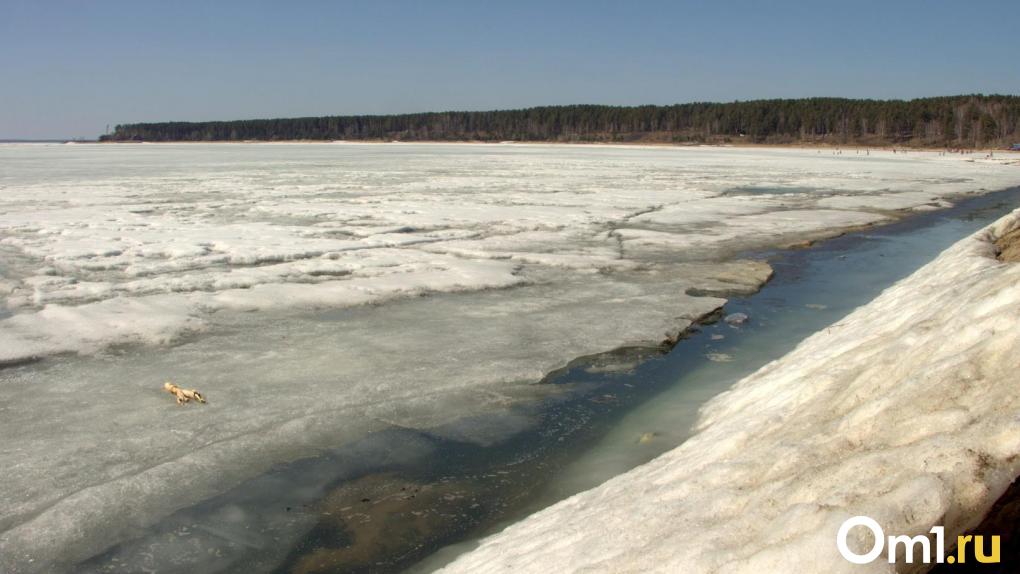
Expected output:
(904, 411)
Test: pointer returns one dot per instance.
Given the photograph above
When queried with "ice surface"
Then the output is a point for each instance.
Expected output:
(905, 411)
(368, 224)
(317, 292)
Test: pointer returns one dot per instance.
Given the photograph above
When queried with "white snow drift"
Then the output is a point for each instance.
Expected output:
(906, 411)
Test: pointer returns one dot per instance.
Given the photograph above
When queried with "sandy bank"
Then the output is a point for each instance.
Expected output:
(1008, 246)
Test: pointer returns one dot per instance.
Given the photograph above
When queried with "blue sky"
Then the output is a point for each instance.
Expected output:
(69, 68)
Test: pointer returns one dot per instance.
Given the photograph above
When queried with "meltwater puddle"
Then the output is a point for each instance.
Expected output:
(401, 499)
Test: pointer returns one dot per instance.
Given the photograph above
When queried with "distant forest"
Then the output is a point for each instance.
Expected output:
(954, 121)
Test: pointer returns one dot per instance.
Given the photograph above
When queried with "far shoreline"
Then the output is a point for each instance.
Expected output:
(635, 144)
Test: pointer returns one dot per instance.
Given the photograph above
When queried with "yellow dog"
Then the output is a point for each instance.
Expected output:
(183, 395)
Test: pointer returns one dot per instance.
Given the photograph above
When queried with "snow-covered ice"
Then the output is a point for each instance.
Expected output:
(905, 411)
(315, 292)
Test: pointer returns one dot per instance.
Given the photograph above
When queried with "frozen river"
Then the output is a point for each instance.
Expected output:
(317, 292)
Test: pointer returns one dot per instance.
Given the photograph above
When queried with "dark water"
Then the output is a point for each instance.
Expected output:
(402, 499)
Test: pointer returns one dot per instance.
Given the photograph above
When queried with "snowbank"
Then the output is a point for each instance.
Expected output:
(905, 411)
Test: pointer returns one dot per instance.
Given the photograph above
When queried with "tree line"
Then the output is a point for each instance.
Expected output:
(953, 121)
